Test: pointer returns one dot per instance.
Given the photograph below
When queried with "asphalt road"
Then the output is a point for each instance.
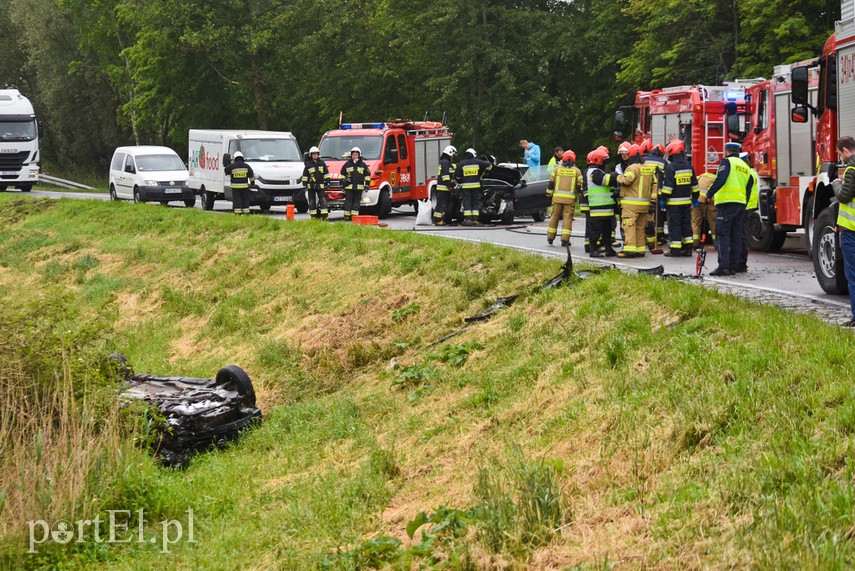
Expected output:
(784, 278)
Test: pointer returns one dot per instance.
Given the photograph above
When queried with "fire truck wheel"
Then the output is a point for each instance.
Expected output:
(237, 377)
(827, 259)
(384, 204)
(761, 235)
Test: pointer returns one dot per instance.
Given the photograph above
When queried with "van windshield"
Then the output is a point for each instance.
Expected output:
(339, 147)
(18, 130)
(146, 163)
(266, 150)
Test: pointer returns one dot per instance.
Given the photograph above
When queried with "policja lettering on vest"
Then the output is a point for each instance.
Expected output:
(565, 184)
(730, 193)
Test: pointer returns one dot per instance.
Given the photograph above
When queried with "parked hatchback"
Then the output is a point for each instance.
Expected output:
(149, 174)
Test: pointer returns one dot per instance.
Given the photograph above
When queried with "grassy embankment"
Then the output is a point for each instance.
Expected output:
(625, 420)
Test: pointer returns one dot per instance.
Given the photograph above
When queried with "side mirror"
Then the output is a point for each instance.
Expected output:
(799, 79)
(733, 126)
(130, 169)
(799, 114)
(227, 159)
(619, 119)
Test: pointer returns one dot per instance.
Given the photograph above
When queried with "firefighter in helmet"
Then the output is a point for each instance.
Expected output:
(703, 210)
(565, 185)
(241, 177)
(679, 192)
(638, 192)
(444, 184)
(355, 178)
(316, 178)
(468, 174)
(653, 157)
(599, 191)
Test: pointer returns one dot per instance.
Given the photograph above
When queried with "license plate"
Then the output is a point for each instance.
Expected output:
(8, 172)
(281, 199)
(172, 190)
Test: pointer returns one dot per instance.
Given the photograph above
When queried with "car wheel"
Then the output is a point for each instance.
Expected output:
(25, 187)
(239, 380)
(113, 195)
(384, 204)
(539, 215)
(208, 199)
(190, 202)
(508, 215)
(827, 258)
(137, 198)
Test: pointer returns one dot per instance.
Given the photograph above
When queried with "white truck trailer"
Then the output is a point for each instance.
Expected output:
(274, 157)
(19, 142)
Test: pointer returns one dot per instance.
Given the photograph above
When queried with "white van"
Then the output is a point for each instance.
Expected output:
(149, 174)
(274, 156)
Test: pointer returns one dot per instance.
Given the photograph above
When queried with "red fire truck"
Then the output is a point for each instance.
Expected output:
(834, 112)
(782, 154)
(703, 117)
(403, 158)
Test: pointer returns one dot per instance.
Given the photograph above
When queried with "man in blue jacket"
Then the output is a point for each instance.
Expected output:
(531, 154)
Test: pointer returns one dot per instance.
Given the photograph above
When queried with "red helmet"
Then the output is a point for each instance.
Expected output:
(634, 150)
(598, 155)
(661, 148)
(674, 147)
(624, 147)
(646, 146)
(568, 156)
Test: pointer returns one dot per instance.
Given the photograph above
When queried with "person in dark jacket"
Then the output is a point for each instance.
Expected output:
(241, 177)
(469, 173)
(444, 184)
(355, 179)
(679, 193)
(730, 193)
(316, 177)
(844, 192)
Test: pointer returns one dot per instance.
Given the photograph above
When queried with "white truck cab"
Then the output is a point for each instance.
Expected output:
(19, 142)
(274, 156)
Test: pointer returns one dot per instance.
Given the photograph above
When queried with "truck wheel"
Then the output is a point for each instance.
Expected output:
(25, 187)
(137, 197)
(239, 380)
(384, 204)
(113, 195)
(301, 206)
(190, 202)
(761, 235)
(208, 199)
(264, 207)
(539, 215)
(827, 258)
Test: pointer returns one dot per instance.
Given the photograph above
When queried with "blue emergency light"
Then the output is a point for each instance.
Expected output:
(363, 125)
(733, 95)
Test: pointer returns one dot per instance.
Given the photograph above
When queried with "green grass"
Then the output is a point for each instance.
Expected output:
(627, 419)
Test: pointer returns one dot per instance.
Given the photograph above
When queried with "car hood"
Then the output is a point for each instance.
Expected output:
(506, 173)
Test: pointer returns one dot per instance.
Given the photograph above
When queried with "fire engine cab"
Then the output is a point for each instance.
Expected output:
(403, 158)
(782, 153)
(703, 117)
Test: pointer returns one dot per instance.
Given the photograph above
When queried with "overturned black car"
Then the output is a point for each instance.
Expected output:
(196, 413)
(508, 191)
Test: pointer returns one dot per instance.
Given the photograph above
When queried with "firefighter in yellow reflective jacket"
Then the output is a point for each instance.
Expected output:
(703, 211)
(444, 184)
(638, 193)
(355, 178)
(468, 174)
(599, 190)
(241, 177)
(565, 185)
(316, 177)
(654, 157)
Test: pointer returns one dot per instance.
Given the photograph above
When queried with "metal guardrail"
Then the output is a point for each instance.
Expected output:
(64, 183)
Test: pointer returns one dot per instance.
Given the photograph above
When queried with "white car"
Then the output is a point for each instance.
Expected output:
(149, 174)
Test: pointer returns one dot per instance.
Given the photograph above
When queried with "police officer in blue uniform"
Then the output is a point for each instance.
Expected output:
(730, 193)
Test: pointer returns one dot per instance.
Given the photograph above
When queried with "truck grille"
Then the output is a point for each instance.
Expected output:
(13, 161)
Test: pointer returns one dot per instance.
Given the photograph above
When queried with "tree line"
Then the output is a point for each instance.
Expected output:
(102, 73)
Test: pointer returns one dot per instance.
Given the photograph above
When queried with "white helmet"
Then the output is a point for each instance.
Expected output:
(355, 150)
(471, 152)
(238, 155)
(449, 150)
(314, 150)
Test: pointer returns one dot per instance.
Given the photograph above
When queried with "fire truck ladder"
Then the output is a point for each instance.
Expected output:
(710, 137)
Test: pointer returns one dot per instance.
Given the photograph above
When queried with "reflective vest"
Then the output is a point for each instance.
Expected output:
(599, 196)
(356, 176)
(564, 184)
(733, 189)
(754, 199)
(638, 185)
(469, 173)
(846, 213)
(680, 182)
